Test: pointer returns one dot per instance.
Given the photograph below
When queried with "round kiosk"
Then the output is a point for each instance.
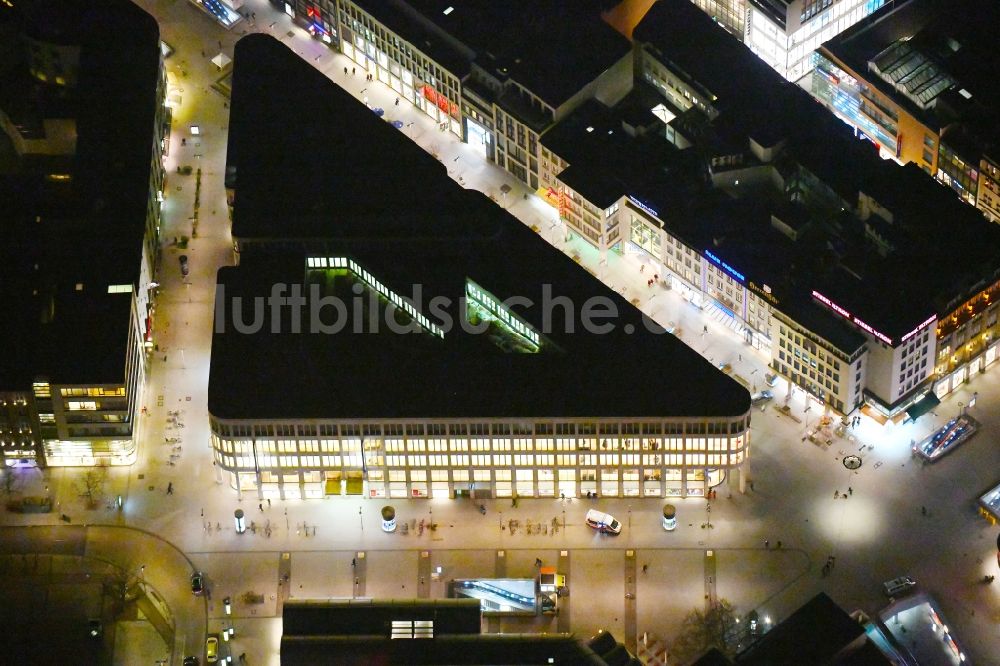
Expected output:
(669, 517)
(388, 519)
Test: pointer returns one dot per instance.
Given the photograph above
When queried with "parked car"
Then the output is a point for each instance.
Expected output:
(197, 582)
(211, 650)
(761, 397)
(603, 522)
(898, 585)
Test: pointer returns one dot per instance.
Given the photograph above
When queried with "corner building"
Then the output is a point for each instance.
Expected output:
(533, 403)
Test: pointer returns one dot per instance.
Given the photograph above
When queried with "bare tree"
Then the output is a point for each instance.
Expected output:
(92, 485)
(121, 586)
(703, 630)
(9, 479)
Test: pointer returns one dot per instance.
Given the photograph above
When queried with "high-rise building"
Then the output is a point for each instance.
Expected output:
(82, 130)
(784, 33)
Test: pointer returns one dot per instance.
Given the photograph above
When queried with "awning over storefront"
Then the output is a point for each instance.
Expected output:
(922, 406)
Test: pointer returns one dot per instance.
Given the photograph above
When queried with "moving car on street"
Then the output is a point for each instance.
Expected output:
(197, 582)
(212, 650)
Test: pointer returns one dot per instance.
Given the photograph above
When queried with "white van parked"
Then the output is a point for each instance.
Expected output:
(603, 522)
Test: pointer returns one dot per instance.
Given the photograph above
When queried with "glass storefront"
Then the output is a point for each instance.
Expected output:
(645, 236)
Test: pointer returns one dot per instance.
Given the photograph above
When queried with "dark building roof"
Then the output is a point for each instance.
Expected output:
(313, 177)
(86, 230)
(552, 51)
(360, 632)
(816, 634)
(713, 658)
(456, 235)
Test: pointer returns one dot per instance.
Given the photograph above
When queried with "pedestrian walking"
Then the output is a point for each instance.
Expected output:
(751, 486)
(705, 329)
(354, 562)
(397, 101)
(836, 494)
(923, 510)
(261, 507)
(645, 568)
(642, 268)
(538, 562)
(268, 502)
(345, 71)
(850, 491)
(741, 358)
(353, 71)
(170, 488)
(779, 545)
(767, 544)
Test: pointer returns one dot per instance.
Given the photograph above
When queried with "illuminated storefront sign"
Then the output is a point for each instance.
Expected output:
(930, 320)
(643, 207)
(764, 292)
(857, 322)
(729, 269)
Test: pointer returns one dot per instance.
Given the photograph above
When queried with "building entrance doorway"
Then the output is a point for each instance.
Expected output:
(478, 137)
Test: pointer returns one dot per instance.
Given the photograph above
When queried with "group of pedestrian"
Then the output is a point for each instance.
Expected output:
(261, 505)
(651, 281)
(369, 77)
(855, 421)
(828, 567)
(837, 494)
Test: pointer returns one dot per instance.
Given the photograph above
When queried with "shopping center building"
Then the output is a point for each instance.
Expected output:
(461, 363)
(868, 284)
(82, 133)
(916, 78)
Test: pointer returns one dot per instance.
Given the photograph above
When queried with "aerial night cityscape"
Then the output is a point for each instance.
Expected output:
(584, 332)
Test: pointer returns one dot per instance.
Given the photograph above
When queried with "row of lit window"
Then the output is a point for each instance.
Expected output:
(490, 303)
(585, 431)
(484, 444)
(497, 462)
(369, 279)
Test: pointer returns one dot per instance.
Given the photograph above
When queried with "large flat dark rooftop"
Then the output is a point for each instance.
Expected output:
(68, 238)
(362, 375)
(357, 632)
